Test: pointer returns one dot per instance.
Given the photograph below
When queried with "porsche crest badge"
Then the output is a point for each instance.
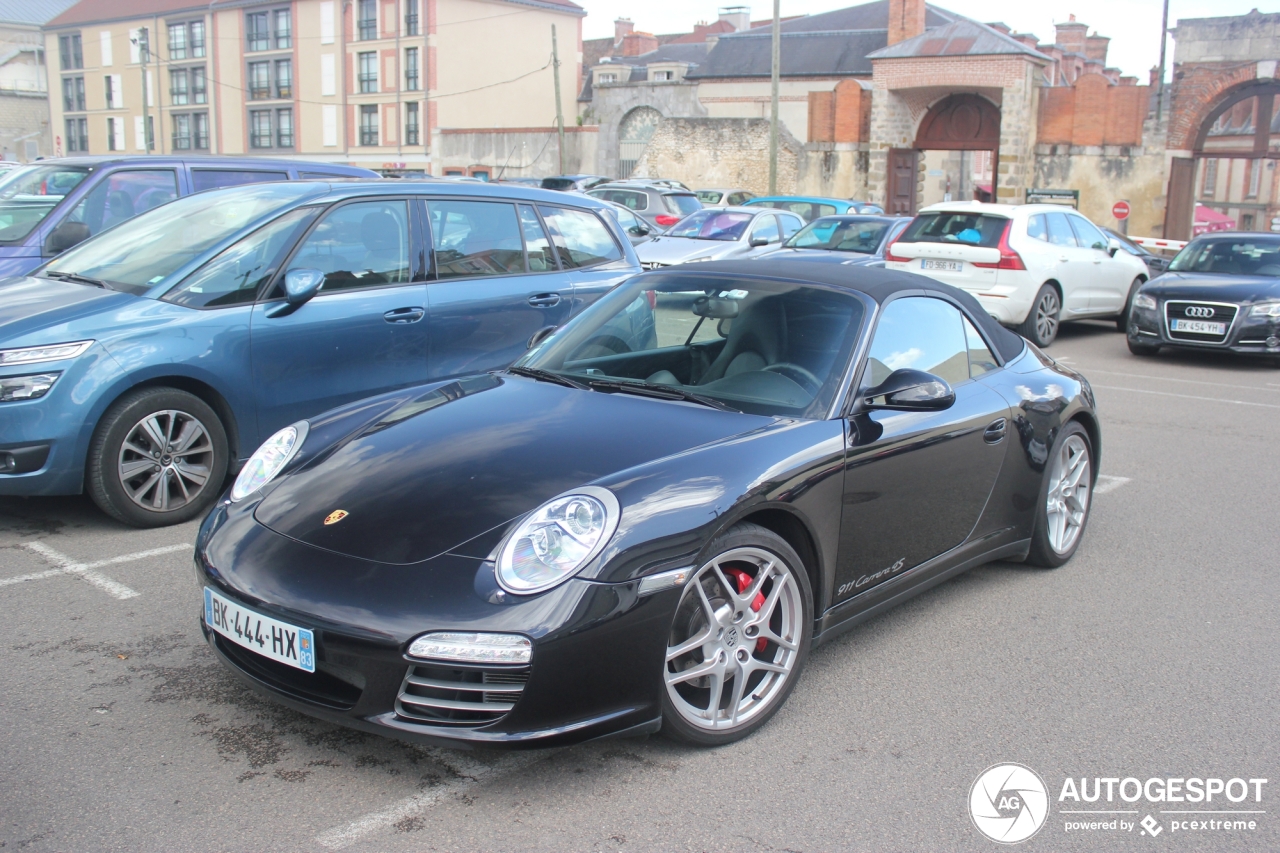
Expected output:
(335, 516)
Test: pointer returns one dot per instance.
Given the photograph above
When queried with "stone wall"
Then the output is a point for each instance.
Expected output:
(611, 104)
(833, 170)
(24, 119)
(525, 152)
(721, 152)
(1107, 174)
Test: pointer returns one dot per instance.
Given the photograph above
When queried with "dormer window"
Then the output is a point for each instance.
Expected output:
(607, 77)
(662, 75)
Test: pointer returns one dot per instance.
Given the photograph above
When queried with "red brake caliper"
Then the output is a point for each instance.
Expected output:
(743, 580)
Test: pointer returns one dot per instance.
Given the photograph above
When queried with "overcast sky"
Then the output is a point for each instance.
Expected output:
(1133, 25)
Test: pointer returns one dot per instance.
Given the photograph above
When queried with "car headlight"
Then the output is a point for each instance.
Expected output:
(1142, 300)
(556, 540)
(48, 352)
(697, 260)
(269, 460)
(1265, 309)
(30, 387)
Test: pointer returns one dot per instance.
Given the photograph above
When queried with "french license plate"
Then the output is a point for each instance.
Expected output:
(269, 637)
(945, 266)
(1198, 327)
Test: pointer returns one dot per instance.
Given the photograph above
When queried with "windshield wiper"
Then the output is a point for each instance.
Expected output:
(58, 275)
(662, 392)
(547, 376)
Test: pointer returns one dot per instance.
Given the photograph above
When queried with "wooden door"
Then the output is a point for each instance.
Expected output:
(902, 181)
(1179, 209)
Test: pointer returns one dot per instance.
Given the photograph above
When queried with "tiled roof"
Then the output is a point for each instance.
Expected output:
(959, 38)
(804, 54)
(31, 11)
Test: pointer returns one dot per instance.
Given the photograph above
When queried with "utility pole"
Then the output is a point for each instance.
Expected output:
(144, 53)
(1164, 37)
(773, 98)
(555, 68)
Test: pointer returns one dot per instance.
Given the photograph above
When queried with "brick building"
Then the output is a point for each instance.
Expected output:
(387, 84)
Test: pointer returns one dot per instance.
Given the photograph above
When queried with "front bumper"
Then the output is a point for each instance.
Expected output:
(1246, 335)
(598, 649)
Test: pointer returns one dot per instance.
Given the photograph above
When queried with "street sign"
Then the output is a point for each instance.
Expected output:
(1046, 196)
(1120, 210)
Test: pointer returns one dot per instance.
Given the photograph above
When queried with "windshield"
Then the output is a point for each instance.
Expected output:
(709, 196)
(139, 254)
(30, 194)
(840, 235)
(713, 224)
(681, 204)
(973, 229)
(764, 347)
(1238, 255)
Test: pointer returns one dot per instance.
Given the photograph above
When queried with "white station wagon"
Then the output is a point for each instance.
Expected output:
(1031, 266)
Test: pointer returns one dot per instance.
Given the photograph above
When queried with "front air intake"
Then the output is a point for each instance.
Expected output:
(458, 696)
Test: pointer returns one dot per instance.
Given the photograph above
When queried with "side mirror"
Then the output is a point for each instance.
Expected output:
(1113, 246)
(756, 242)
(541, 335)
(65, 236)
(910, 390)
(302, 284)
(639, 230)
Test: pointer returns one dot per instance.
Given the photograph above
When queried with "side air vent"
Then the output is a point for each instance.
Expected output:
(449, 696)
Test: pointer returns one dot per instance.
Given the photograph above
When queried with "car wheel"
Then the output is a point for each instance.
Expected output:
(739, 639)
(1064, 499)
(1122, 322)
(1142, 349)
(158, 457)
(1041, 325)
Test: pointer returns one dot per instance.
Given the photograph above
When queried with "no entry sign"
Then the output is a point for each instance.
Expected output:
(1120, 210)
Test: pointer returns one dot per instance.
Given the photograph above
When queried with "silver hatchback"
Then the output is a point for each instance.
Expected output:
(720, 234)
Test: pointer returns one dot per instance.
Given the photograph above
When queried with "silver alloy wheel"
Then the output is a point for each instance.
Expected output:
(1047, 316)
(1068, 500)
(165, 460)
(718, 672)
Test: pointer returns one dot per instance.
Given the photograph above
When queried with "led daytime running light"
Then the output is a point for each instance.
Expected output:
(472, 648)
(49, 352)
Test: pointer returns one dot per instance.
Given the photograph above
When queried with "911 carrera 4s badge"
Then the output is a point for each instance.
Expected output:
(336, 516)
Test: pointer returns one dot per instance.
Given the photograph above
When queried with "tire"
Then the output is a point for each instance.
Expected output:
(129, 487)
(780, 642)
(1044, 318)
(1122, 321)
(1051, 547)
(1142, 349)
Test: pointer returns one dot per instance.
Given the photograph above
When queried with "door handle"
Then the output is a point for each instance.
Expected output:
(994, 432)
(545, 300)
(1062, 260)
(402, 316)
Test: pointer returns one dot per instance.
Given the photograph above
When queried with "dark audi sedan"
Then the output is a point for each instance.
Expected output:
(649, 520)
(1222, 292)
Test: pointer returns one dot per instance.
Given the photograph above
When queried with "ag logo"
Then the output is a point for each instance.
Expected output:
(1008, 803)
(335, 516)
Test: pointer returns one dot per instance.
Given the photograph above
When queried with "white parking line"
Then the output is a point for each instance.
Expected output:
(1189, 396)
(471, 773)
(1092, 370)
(86, 571)
(1109, 483)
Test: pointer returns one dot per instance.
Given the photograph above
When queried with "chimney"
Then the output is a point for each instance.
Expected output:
(1071, 36)
(635, 44)
(906, 19)
(738, 17)
(621, 29)
(1095, 47)
(1153, 80)
(1000, 26)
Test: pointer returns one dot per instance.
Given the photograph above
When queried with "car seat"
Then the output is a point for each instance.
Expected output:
(757, 339)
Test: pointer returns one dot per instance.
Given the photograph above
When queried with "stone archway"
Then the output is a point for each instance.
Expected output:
(959, 122)
(634, 132)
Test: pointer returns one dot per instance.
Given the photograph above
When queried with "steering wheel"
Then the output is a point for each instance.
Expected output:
(806, 379)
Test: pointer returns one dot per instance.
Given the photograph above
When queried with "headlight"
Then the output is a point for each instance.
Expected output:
(28, 387)
(472, 648)
(1265, 309)
(697, 260)
(1142, 300)
(556, 540)
(49, 352)
(268, 460)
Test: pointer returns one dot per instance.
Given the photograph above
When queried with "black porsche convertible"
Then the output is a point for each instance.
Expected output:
(1222, 292)
(650, 519)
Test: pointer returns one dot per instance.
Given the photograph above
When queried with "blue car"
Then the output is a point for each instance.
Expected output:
(810, 208)
(143, 364)
(50, 206)
(859, 241)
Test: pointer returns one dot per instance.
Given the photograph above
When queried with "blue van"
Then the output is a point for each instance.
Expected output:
(144, 363)
(52, 205)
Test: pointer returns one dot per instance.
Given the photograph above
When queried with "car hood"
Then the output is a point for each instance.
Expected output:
(675, 250)
(852, 259)
(465, 457)
(29, 305)
(1209, 286)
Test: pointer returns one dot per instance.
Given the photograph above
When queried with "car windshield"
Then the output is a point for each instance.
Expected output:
(1239, 254)
(974, 229)
(712, 225)
(765, 347)
(30, 194)
(681, 204)
(709, 196)
(840, 235)
(139, 254)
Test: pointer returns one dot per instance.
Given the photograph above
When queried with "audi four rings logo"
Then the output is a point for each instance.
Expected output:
(1198, 311)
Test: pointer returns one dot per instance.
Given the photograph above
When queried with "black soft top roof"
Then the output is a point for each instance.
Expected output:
(878, 283)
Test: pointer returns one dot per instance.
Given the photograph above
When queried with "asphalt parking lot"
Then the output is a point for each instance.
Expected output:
(1151, 654)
